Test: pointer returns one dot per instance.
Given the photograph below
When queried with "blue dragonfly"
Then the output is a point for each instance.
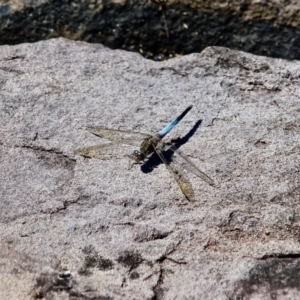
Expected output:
(148, 144)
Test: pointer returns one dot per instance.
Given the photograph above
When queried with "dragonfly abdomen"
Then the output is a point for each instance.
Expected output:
(173, 123)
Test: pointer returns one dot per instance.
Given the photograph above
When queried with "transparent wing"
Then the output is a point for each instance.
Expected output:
(184, 184)
(107, 151)
(117, 135)
(190, 166)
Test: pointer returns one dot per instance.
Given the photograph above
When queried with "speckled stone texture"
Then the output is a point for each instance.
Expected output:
(77, 228)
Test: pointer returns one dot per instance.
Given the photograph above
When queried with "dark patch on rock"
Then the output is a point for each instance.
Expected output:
(134, 275)
(92, 260)
(47, 284)
(104, 264)
(130, 259)
(51, 158)
(271, 276)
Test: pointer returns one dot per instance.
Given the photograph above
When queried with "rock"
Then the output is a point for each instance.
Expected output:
(158, 29)
(73, 227)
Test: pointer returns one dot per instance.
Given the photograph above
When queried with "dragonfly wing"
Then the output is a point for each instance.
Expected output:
(183, 183)
(117, 135)
(190, 166)
(105, 151)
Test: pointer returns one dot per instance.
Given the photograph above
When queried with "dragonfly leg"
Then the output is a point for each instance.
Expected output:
(130, 165)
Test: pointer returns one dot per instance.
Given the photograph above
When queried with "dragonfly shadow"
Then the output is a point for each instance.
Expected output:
(154, 161)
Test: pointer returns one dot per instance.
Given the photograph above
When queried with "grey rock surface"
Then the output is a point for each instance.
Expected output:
(77, 228)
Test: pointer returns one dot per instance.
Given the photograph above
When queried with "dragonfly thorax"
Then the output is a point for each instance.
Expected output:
(146, 148)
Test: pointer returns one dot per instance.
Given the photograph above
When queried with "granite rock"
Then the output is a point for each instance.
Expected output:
(77, 228)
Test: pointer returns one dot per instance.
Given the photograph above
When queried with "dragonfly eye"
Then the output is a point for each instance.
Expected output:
(137, 156)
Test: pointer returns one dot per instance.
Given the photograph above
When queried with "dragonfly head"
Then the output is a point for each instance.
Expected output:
(137, 156)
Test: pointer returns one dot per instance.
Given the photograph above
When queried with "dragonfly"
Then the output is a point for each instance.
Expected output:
(148, 144)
